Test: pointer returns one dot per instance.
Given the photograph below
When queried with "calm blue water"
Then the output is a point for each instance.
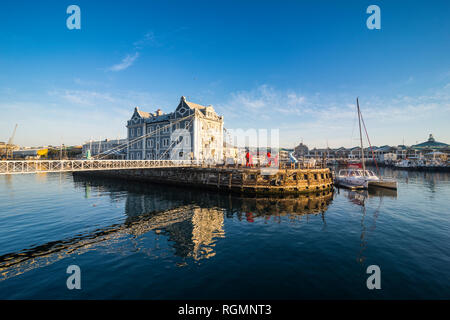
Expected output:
(144, 241)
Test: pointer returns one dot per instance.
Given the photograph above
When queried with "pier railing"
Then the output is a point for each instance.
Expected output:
(34, 166)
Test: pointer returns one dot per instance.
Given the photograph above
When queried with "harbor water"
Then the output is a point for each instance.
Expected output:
(142, 241)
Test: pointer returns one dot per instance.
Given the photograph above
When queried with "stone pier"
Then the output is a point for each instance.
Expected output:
(238, 180)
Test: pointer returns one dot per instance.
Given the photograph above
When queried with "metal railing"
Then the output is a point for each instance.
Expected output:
(35, 166)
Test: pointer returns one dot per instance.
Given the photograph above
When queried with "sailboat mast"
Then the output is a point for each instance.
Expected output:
(360, 137)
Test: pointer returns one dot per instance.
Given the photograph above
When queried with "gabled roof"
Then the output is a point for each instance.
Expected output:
(185, 105)
(142, 114)
(190, 105)
(383, 148)
(193, 105)
(184, 108)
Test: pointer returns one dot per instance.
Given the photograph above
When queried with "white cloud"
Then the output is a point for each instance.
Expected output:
(71, 116)
(319, 117)
(125, 63)
(148, 39)
(262, 101)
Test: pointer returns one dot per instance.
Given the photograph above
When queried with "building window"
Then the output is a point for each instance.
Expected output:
(138, 132)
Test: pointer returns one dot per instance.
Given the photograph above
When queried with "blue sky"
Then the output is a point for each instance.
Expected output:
(293, 65)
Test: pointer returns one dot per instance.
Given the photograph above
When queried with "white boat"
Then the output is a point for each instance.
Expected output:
(357, 178)
(404, 164)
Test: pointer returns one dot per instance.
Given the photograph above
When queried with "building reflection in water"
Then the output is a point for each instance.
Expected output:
(191, 220)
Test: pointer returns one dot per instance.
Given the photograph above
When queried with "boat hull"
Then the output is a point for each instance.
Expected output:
(388, 184)
(366, 184)
(351, 183)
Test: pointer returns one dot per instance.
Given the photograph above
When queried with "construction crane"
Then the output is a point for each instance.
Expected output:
(9, 145)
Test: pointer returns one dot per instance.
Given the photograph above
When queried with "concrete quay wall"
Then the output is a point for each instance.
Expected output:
(239, 180)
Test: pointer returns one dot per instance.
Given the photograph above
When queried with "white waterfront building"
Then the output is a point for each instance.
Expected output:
(192, 132)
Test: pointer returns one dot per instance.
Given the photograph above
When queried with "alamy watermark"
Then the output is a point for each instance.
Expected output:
(374, 280)
(258, 148)
(374, 20)
(74, 280)
(74, 20)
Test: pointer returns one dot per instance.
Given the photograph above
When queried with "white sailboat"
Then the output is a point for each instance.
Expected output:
(360, 178)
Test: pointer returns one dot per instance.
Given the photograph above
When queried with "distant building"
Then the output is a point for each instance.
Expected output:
(116, 148)
(192, 131)
(30, 153)
(355, 153)
(387, 157)
(319, 153)
(401, 152)
(301, 151)
(230, 153)
(384, 153)
(340, 153)
(430, 145)
(7, 149)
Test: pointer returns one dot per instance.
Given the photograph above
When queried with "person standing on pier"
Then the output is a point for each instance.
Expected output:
(269, 159)
(247, 158)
